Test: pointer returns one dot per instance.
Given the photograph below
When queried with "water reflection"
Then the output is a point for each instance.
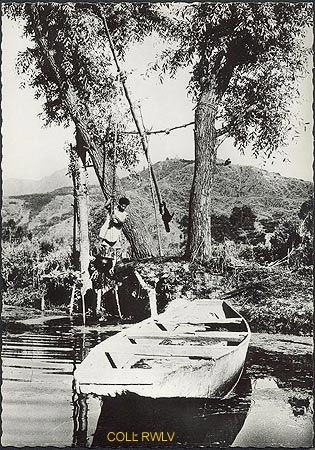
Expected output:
(271, 407)
(271, 421)
(37, 369)
(80, 420)
(289, 371)
(182, 421)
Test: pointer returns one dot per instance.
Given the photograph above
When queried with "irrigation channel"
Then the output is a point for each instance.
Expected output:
(271, 406)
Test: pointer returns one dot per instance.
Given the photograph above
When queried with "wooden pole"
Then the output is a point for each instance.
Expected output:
(152, 193)
(151, 294)
(75, 215)
(155, 211)
(114, 168)
(139, 126)
(83, 307)
(84, 235)
(117, 301)
(98, 300)
(72, 299)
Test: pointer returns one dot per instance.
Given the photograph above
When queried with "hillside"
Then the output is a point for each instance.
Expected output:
(269, 195)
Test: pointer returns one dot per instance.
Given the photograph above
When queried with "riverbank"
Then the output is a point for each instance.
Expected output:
(12, 313)
(288, 344)
(272, 300)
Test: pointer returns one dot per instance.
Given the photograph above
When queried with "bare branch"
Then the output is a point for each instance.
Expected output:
(220, 140)
(166, 131)
(222, 130)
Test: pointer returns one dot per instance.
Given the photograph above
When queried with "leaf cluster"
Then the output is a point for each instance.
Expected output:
(74, 36)
(251, 54)
(79, 55)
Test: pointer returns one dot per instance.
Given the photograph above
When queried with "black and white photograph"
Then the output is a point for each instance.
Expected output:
(157, 224)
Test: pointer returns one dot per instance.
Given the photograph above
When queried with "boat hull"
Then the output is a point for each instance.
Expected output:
(170, 371)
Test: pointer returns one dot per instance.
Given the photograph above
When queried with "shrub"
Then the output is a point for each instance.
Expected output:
(239, 227)
(279, 316)
(11, 232)
(46, 247)
(58, 284)
(221, 228)
(20, 264)
(242, 218)
(225, 256)
(37, 267)
(284, 238)
(57, 275)
(26, 296)
(262, 253)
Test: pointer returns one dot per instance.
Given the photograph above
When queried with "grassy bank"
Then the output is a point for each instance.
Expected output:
(273, 300)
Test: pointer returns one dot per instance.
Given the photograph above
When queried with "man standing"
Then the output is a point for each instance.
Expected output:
(110, 232)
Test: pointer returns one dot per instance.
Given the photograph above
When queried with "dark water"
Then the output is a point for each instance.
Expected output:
(272, 405)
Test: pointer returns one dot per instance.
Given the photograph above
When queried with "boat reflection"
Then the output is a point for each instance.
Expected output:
(198, 422)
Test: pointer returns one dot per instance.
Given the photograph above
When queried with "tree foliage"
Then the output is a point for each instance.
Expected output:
(242, 219)
(221, 228)
(74, 74)
(73, 36)
(306, 214)
(284, 239)
(252, 54)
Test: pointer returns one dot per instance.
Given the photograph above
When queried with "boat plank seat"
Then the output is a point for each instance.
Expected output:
(209, 335)
(234, 320)
(188, 351)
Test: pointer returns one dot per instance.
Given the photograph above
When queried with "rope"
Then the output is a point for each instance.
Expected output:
(114, 169)
(166, 216)
(155, 208)
(140, 127)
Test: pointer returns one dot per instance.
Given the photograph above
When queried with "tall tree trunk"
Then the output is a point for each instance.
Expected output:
(82, 196)
(75, 222)
(141, 243)
(135, 230)
(199, 227)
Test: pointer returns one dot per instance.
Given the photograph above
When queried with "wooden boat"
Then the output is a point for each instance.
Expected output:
(196, 349)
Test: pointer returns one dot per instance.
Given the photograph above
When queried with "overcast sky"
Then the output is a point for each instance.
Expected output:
(32, 152)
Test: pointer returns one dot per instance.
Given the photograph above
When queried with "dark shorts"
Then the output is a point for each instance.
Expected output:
(107, 250)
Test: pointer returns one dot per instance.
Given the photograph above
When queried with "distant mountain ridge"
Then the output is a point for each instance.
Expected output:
(50, 214)
(162, 169)
(16, 186)
(58, 179)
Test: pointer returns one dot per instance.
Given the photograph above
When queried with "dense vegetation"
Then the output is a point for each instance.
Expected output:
(262, 252)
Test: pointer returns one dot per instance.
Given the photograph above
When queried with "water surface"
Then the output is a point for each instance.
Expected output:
(270, 407)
